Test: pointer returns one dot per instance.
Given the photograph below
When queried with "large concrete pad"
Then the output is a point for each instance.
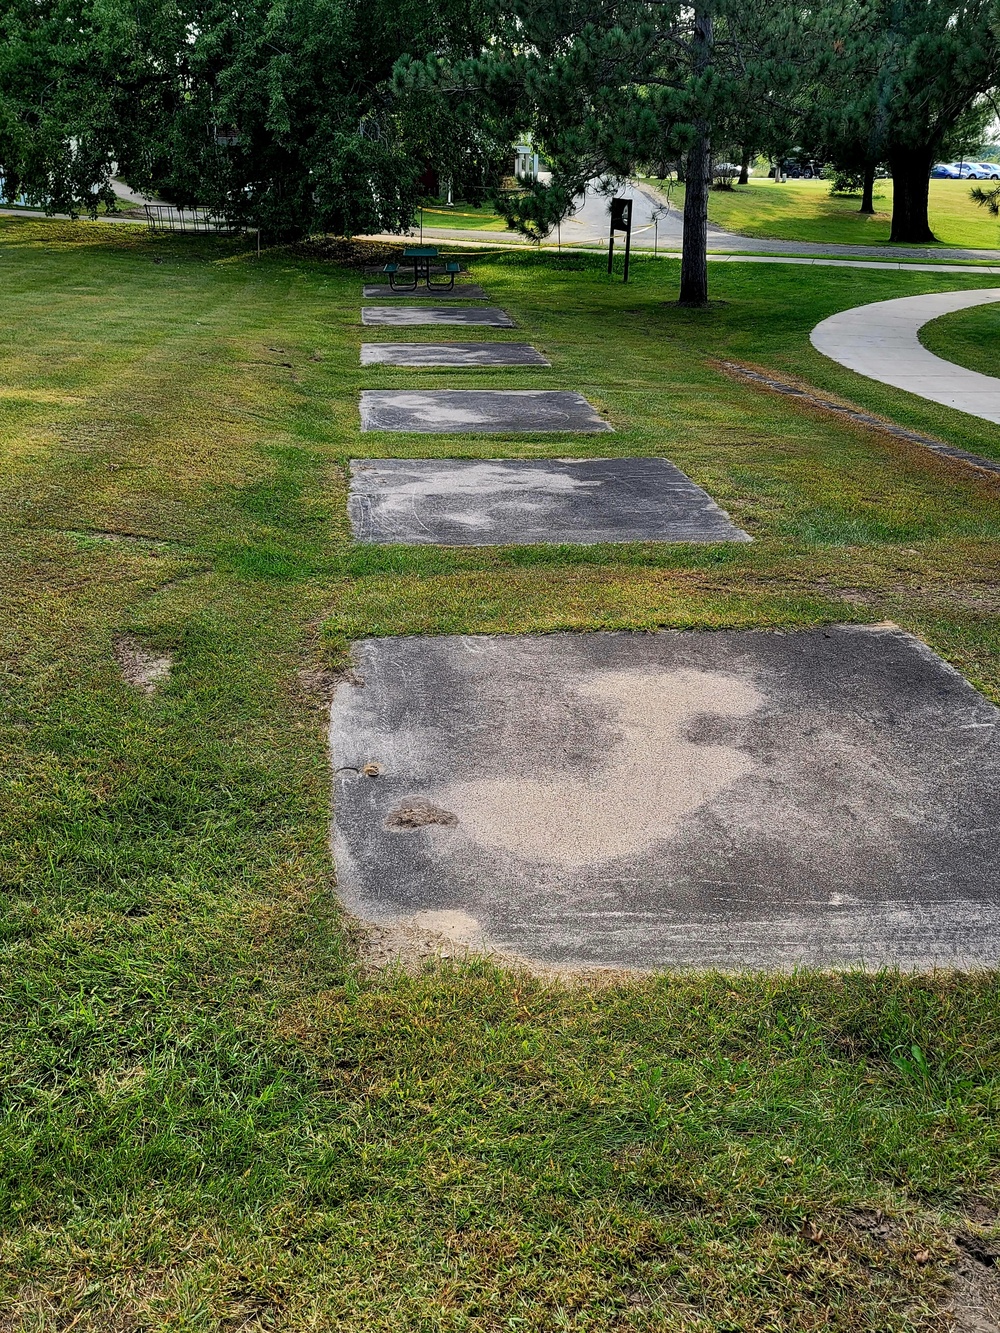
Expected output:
(407, 316)
(467, 292)
(744, 799)
(490, 411)
(451, 354)
(510, 501)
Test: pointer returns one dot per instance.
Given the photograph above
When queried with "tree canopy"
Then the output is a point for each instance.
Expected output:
(271, 113)
(324, 115)
(903, 82)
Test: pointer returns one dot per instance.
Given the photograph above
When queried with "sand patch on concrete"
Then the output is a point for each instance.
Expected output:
(654, 777)
(493, 484)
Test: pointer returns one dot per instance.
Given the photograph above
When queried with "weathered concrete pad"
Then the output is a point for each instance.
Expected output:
(743, 799)
(469, 292)
(490, 411)
(403, 315)
(510, 501)
(451, 354)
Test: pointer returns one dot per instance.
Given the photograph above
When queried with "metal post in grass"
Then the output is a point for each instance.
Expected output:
(621, 220)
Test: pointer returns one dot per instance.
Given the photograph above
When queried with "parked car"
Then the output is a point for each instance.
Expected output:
(943, 171)
(792, 169)
(730, 169)
(969, 171)
(992, 170)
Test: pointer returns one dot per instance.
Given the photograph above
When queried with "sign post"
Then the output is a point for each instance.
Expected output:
(621, 220)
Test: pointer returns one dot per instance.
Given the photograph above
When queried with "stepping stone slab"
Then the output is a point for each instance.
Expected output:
(501, 502)
(464, 411)
(451, 354)
(728, 798)
(467, 293)
(403, 315)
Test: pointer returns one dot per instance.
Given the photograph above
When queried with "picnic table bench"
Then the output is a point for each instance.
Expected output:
(420, 258)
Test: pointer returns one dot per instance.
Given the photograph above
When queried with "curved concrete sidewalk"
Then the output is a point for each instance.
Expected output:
(880, 341)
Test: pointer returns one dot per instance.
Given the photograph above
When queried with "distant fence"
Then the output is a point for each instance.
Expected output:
(163, 218)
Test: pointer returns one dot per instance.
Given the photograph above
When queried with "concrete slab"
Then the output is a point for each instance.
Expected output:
(451, 354)
(469, 292)
(489, 411)
(406, 316)
(513, 501)
(881, 342)
(741, 799)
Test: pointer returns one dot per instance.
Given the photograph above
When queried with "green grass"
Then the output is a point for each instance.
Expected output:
(804, 210)
(969, 337)
(462, 217)
(213, 1117)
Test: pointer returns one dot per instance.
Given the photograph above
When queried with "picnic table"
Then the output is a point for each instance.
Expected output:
(420, 257)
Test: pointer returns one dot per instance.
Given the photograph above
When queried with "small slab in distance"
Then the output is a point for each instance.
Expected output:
(520, 501)
(407, 315)
(480, 411)
(451, 354)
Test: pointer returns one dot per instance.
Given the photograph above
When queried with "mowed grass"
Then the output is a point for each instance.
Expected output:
(462, 216)
(213, 1116)
(971, 338)
(805, 210)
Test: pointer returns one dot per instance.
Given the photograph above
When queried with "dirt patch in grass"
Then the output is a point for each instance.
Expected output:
(142, 667)
(866, 420)
(345, 253)
(974, 1301)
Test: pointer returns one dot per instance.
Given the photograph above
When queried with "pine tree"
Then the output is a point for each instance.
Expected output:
(606, 86)
(904, 82)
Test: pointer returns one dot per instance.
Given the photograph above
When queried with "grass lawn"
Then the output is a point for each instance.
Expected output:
(969, 337)
(463, 217)
(804, 210)
(213, 1116)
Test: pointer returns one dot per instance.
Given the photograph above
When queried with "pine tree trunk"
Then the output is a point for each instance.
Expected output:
(868, 189)
(744, 168)
(694, 254)
(910, 186)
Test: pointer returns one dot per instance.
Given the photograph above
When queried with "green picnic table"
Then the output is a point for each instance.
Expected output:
(421, 258)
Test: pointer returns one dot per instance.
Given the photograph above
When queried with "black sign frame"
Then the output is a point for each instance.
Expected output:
(621, 220)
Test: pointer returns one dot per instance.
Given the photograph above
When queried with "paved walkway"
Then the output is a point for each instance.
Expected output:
(880, 341)
(658, 224)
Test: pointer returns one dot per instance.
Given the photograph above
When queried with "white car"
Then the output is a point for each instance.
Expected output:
(969, 171)
(992, 170)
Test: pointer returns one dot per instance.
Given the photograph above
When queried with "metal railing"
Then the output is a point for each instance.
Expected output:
(164, 218)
